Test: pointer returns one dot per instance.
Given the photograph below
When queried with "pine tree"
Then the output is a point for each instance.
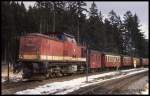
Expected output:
(128, 32)
(134, 36)
(138, 38)
(116, 32)
(92, 26)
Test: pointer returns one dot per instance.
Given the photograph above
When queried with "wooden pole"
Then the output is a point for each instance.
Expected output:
(78, 30)
(78, 35)
(7, 67)
(87, 63)
(8, 72)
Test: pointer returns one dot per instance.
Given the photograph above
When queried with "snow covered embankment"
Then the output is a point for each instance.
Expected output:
(72, 85)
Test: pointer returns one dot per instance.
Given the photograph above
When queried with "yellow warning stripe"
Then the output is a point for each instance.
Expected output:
(28, 56)
(45, 57)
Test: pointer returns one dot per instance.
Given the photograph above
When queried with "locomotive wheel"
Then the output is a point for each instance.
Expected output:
(53, 75)
(47, 76)
(59, 74)
(56, 75)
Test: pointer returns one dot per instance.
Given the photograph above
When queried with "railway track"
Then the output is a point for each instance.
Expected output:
(110, 87)
(12, 87)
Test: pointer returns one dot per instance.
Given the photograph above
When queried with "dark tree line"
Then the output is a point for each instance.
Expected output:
(104, 34)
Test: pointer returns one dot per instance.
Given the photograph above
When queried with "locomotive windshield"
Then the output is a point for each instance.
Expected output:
(64, 37)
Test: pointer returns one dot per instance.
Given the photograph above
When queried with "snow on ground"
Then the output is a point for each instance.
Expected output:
(146, 89)
(146, 92)
(3, 80)
(72, 85)
(12, 77)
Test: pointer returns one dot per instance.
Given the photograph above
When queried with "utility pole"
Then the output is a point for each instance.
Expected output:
(87, 63)
(78, 30)
(8, 68)
(8, 72)
(53, 16)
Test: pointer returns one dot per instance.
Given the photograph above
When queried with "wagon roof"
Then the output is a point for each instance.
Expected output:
(95, 51)
(108, 53)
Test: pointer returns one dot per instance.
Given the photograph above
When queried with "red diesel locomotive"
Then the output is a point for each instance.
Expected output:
(56, 54)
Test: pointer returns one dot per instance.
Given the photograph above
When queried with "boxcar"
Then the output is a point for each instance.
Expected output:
(111, 61)
(95, 59)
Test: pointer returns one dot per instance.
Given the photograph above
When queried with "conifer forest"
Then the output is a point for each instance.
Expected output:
(112, 34)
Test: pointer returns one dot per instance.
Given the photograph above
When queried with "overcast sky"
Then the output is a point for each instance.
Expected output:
(140, 8)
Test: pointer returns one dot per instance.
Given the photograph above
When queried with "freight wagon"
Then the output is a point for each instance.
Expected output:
(95, 60)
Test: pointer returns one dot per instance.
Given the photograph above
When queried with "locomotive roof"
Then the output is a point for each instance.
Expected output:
(48, 35)
(51, 33)
(37, 34)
